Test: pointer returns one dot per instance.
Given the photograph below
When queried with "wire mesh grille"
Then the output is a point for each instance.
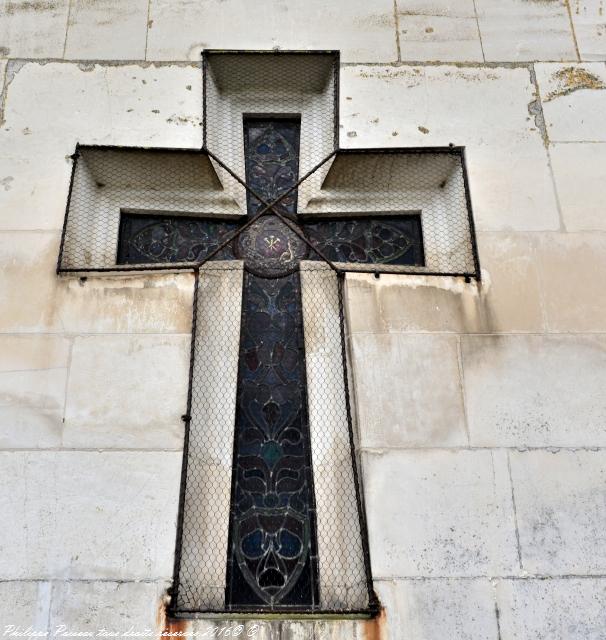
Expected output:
(202, 549)
(111, 183)
(427, 182)
(237, 86)
(344, 577)
(379, 210)
(344, 573)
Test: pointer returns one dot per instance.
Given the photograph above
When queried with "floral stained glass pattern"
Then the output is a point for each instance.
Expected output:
(272, 557)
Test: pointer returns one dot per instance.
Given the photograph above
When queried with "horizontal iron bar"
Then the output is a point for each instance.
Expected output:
(278, 52)
(259, 613)
(195, 266)
(452, 150)
(116, 147)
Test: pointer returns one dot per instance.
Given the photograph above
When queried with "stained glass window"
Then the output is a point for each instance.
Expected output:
(272, 557)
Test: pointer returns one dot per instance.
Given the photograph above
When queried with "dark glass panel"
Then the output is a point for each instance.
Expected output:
(380, 240)
(272, 560)
(272, 161)
(162, 238)
(272, 540)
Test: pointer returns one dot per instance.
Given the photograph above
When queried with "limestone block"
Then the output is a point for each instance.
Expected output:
(590, 28)
(554, 609)
(33, 29)
(521, 30)
(572, 269)
(36, 299)
(33, 193)
(439, 513)
(511, 188)
(98, 104)
(92, 104)
(114, 606)
(33, 352)
(560, 511)
(487, 110)
(535, 390)
(152, 303)
(25, 604)
(580, 173)
(319, 630)
(257, 629)
(574, 100)
(87, 515)
(507, 299)
(107, 29)
(127, 391)
(435, 609)
(27, 281)
(408, 390)
(438, 30)
(510, 288)
(33, 374)
(363, 32)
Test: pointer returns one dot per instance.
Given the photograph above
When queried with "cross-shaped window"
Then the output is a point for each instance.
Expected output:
(271, 513)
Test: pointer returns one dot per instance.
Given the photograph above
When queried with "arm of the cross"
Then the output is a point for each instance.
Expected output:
(394, 207)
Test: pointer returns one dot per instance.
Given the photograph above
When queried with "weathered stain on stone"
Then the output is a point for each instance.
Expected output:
(176, 628)
(476, 77)
(12, 69)
(535, 108)
(34, 5)
(388, 74)
(375, 629)
(571, 79)
(424, 130)
(181, 120)
(377, 19)
(469, 304)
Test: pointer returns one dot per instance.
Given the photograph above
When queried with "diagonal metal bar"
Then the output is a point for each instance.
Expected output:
(266, 204)
(266, 208)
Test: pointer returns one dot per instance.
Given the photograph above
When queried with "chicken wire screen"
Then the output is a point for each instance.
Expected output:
(342, 578)
(271, 215)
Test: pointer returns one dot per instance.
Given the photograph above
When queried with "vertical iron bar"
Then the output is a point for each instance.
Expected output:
(75, 157)
(204, 81)
(373, 601)
(336, 98)
(472, 228)
(174, 591)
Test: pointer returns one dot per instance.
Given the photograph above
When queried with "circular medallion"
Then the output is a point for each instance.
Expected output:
(270, 248)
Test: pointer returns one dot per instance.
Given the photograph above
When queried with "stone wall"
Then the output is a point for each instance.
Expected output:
(481, 408)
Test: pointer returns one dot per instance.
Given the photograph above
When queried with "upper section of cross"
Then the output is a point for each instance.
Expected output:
(415, 200)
